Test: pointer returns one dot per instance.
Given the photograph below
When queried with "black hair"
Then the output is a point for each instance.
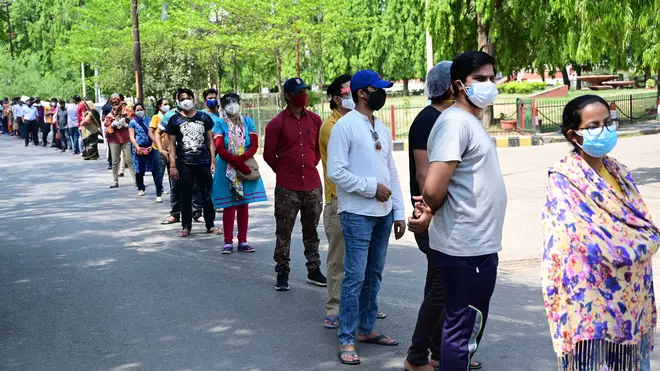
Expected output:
(209, 91)
(121, 97)
(571, 118)
(465, 64)
(138, 104)
(444, 97)
(62, 102)
(184, 90)
(76, 98)
(54, 100)
(225, 100)
(160, 101)
(334, 89)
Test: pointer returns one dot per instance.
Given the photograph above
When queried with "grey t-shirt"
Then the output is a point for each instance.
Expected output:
(470, 221)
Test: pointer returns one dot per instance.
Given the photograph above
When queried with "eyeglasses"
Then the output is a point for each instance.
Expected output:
(611, 126)
(374, 136)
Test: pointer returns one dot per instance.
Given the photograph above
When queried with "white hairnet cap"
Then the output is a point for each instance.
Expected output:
(438, 79)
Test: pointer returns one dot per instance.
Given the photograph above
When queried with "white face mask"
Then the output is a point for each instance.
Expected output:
(139, 114)
(165, 108)
(348, 103)
(186, 104)
(232, 108)
(481, 94)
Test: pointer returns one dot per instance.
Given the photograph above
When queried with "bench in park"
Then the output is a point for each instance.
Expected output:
(619, 84)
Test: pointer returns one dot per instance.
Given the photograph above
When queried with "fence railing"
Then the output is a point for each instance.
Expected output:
(525, 116)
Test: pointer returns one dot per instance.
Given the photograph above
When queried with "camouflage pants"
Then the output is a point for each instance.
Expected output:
(287, 205)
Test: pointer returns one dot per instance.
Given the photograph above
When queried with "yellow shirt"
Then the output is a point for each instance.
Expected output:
(324, 138)
(153, 124)
(610, 179)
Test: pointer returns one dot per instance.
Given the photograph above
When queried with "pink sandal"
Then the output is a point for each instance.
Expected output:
(184, 233)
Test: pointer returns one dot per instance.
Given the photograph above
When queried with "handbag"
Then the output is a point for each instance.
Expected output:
(254, 166)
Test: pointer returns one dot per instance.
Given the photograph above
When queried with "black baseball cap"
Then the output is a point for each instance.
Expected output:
(295, 85)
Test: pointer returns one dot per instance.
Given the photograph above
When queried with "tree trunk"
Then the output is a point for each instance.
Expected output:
(406, 90)
(564, 76)
(321, 71)
(484, 44)
(235, 72)
(219, 67)
(578, 71)
(278, 70)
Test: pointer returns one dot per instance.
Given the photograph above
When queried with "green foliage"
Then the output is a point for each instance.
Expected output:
(650, 83)
(521, 87)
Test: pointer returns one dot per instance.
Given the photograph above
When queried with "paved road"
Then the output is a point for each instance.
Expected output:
(90, 281)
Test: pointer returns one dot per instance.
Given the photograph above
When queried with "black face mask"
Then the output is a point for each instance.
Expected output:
(376, 99)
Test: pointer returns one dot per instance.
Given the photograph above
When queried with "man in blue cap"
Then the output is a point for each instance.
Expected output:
(361, 165)
(292, 150)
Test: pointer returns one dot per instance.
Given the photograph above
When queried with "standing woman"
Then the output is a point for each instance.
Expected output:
(163, 106)
(599, 238)
(119, 139)
(145, 156)
(236, 142)
(90, 127)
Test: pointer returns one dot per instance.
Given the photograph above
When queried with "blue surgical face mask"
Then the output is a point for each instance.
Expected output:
(211, 103)
(598, 142)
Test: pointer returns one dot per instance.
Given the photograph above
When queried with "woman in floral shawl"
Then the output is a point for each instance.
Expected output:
(597, 276)
(90, 127)
(236, 141)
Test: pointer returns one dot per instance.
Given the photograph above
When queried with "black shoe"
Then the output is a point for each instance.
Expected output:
(282, 282)
(315, 277)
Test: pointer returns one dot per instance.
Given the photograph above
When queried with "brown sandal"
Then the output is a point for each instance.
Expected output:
(215, 231)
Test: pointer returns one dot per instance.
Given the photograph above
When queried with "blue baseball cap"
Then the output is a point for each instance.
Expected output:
(295, 85)
(362, 79)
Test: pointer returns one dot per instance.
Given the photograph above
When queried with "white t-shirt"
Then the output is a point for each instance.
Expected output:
(470, 221)
(72, 113)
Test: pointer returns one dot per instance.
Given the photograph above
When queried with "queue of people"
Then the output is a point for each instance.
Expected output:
(599, 238)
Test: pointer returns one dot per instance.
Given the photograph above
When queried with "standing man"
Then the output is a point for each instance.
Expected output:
(72, 126)
(192, 159)
(62, 123)
(360, 163)
(30, 115)
(292, 150)
(43, 127)
(465, 195)
(341, 103)
(428, 331)
(18, 114)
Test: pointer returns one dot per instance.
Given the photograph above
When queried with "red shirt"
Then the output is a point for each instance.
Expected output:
(292, 150)
(82, 108)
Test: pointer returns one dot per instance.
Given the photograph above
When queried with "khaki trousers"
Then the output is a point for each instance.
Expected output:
(335, 262)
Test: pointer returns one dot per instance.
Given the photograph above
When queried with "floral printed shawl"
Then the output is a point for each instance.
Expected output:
(236, 146)
(597, 277)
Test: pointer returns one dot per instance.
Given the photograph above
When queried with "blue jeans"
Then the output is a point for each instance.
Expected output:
(63, 140)
(365, 239)
(74, 138)
(646, 353)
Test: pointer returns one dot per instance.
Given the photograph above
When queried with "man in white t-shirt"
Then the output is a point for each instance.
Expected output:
(465, 196)
(72, 126)
(30, 115)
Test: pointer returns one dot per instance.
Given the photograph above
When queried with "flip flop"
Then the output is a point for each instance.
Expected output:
(381, 315)
(215, 231)
(332, 325)
(184, 233)
(477, 365)
(352, 353)
(170, 220)
(378, 340)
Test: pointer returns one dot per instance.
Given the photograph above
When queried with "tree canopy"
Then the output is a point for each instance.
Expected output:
(248, 45)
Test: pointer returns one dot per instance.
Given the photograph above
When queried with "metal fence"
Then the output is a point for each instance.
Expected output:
(525, 116)
(630, 108)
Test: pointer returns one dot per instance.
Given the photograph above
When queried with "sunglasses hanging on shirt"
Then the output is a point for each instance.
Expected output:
(374, 136)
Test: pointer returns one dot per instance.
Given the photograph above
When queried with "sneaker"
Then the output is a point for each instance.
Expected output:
(315, 277)
(114, 185)
(244, 247)
(228, 249)
(140, 193)
(121, 174)
(282, 282)
(159, 200)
